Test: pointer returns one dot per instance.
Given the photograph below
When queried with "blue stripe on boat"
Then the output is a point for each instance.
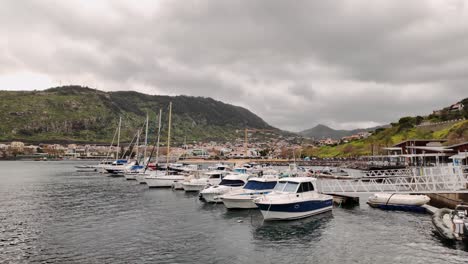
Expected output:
(296, 207)
(409, 208)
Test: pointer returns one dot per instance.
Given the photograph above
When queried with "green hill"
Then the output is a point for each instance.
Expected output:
(81, 114)
(322, 131)
(434, 126)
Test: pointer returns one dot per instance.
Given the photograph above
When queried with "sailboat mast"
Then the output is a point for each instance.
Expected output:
(159, 136)
(146, 138)
(137, 145)
(169, 134)
(118, 138)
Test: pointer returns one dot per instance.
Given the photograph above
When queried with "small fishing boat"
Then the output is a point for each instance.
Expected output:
(402, 202)
(293, 198)
(230, 182)
(452, 224)
(244, 198)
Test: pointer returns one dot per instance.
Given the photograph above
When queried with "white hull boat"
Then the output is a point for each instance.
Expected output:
(244, 198)
(293, 198)
(163, 181)
(211, 178)
(230, 183)
(404, 202)
(178, 186)
(140, 177)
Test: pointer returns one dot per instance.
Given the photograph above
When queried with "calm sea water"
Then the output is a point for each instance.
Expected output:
(51, 214)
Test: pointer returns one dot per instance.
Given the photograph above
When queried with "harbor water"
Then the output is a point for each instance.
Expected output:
(51, 214)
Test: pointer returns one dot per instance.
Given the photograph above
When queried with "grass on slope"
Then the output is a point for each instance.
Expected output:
(454, 133)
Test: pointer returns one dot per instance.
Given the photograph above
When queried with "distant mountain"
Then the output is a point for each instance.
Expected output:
(323, 131)
(81, 114)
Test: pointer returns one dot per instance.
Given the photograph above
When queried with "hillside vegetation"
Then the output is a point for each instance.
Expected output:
(406, 128)
(81, 114)
(322, 131)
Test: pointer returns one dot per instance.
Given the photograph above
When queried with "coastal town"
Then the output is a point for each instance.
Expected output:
(233, 132)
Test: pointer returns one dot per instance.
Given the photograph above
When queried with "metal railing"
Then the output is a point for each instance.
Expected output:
(446, 179)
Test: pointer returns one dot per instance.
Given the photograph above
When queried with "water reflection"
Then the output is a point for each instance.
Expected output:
(308, 229)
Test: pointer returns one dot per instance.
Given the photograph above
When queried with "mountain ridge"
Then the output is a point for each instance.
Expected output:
(323, 131)
(82, 114)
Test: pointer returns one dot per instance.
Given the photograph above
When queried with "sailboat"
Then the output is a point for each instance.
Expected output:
(140, 177)
(135, 170)
(162, 179)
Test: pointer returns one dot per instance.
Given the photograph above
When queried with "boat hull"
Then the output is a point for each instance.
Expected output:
(141, 178)
(236, 203)
(193, 187)
(162, 182)
(212, 197)
(178, 185)
(130, 176)
(399, 207)
(295, 210)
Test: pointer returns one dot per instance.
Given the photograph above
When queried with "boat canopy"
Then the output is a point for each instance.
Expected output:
(232, 183)
(258, 185)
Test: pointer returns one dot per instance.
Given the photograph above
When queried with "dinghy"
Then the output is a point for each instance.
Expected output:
(452, 224)
(403, 202)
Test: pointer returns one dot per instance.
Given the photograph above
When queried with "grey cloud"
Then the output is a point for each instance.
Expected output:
(296, 65)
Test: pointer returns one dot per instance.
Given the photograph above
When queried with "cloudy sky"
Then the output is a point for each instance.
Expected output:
(346, 64)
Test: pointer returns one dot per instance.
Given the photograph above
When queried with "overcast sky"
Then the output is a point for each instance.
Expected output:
(346, 64)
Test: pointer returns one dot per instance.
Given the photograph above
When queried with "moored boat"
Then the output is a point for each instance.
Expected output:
(452, 224)
(160, 179)
(254, 188)
(293, 198)
(209, 178)
(402, 202)
(230, 182)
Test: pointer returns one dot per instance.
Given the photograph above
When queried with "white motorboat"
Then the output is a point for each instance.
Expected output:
(207, 179)
(403, 202)
(244, 198)
(160, 179)
(452, 224)
(229, 183)
(293, 198)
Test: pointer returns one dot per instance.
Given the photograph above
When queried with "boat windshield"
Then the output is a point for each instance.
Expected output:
(286, 187)
(240, 170)
(256, 185)
(233, 183)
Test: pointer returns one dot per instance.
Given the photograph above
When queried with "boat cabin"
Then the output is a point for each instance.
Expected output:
(232, 182)
(295, 185)
(216, 174)
(240, 170)
(219, 167)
